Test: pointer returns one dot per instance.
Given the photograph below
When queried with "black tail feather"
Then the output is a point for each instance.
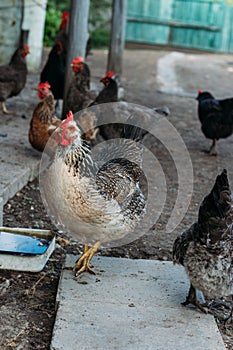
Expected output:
(132, 131)
(217, 203)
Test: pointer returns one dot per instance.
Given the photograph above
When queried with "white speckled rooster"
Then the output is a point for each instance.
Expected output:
(105, 198)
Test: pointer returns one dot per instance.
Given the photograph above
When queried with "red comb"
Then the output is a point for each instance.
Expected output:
(109, 74)
(26, 47)
(77, 60)
(200, 91)
(69, 118)
(65, 15)
(43, 85)
(64, 19)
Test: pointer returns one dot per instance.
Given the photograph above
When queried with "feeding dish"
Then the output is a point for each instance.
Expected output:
(25, 249)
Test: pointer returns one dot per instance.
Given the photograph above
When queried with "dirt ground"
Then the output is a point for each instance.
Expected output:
(27, 300)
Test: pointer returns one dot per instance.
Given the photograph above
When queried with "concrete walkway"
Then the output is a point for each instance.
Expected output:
(19, 163)
(129, 305)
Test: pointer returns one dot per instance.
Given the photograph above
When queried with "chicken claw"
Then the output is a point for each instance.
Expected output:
(192, 299)
(4, 109)
(213, 151)
(83, 263)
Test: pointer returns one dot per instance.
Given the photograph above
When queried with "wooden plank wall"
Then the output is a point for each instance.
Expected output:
(195, 24)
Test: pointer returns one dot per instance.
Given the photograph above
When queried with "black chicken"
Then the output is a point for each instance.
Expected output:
(216, 117)
(108, 94)
(206, 248)
(110, 91)
(63, 32)
(54, 70)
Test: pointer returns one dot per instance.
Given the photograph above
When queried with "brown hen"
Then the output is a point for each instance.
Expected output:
(43, 121)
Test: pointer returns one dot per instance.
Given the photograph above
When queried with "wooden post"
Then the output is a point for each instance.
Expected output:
(23, 37)
(78, 35)
(115, 55)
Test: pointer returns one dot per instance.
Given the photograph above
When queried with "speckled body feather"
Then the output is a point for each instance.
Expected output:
(206, 248)
(79, 95)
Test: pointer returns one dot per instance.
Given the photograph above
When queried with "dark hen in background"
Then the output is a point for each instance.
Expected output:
(206, 248)
(63, 33)
(79, 95)
(43, 121)
(13, 76)
(216, 117)
(54, 70)
(108, 94)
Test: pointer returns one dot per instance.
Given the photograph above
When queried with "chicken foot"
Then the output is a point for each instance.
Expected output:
(220, 305)
(192, 299)
(83, 263)
(4, 109)
(229, 318)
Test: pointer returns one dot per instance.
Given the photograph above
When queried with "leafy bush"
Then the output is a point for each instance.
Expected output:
(52, 22)
(53, 19)
(99, 21)
(100, 38)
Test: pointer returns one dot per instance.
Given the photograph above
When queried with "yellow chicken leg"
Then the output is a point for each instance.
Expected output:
(83, 263)
(4, 109)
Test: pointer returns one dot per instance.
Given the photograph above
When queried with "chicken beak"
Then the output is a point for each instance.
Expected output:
(55, 133)
(58, 130)
(52, 130)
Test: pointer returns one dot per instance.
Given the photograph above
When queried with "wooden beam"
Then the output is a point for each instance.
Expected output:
(117, 43)
(174, 24)
(78, 35)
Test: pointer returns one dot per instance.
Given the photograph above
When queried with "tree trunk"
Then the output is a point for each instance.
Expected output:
(78, 35)
(115, 55)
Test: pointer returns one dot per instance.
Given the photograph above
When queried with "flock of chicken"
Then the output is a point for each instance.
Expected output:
(110, 197)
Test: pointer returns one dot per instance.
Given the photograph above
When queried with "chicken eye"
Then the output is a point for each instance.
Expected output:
(72, 129)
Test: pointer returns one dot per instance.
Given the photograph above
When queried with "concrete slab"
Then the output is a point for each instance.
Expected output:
(1, 211)
(130, 304)
(19, 162)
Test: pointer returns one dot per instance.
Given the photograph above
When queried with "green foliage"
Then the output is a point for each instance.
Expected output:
(52, 23)
(98, 12)
(53, 19)
(100, 38)
(99, 21)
